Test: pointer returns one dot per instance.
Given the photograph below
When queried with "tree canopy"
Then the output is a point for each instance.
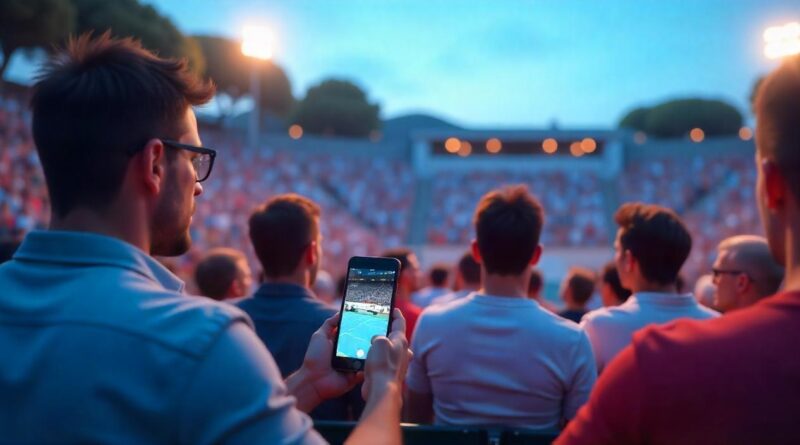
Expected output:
(336, 107)
(675, 118)
(29, 24)
(231, 72)
(131, 18)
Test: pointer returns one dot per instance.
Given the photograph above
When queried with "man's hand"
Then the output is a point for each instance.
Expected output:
(388, 358)
(386, 368)
(316, 380)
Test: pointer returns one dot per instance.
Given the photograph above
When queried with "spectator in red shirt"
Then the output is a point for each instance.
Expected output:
(732, 379)
(407, 284)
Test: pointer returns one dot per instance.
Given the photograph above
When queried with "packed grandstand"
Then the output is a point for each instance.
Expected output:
(374, 196)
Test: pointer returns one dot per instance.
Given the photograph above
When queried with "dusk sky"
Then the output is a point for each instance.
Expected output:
(510, 63)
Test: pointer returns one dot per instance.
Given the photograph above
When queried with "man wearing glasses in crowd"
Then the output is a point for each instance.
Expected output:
(99, 343)
(744, 272)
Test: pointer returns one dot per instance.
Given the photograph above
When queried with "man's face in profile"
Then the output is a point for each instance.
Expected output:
(173, 213)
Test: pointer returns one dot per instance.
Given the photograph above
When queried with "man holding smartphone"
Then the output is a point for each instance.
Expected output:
(105, 345)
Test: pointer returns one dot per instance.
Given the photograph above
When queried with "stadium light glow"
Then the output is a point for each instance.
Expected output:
(295, 131)
(257, 42)
(745, 134)
(494, 145)
(697, 135)
(549, 146)
(452, 145)
(575, 149)
(782, 41)
(588, 145)
(465, 150)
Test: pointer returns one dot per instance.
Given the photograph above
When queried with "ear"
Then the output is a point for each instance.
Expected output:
(476, 253)
(234, 290)
(742, 281)
(537, 255)
(149, 166)
(310, 255)
(775, 187)
(628, 261)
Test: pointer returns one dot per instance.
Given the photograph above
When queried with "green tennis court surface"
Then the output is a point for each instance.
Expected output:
(357, 331)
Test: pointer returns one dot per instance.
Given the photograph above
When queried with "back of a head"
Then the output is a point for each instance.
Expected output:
(751, 254)
(535, 283)
(469, 269)
(216, 272)
(778, 115)
(657, 239)
(281, 230)
(610, 276)
(508, 224)
(580, 282)
(439, 274)
(401, 254)
(97, 102)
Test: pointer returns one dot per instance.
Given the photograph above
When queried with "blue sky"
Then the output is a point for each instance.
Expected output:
(510, 63)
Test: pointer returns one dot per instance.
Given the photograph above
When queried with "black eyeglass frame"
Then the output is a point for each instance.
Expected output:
(193, 148)
(716, 273)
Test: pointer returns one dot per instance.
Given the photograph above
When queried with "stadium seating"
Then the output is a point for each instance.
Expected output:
(364, 213)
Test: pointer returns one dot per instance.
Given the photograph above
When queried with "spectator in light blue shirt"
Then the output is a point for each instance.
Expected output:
(99, 344)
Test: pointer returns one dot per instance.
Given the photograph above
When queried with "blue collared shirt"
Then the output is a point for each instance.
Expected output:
(285, 316)
(98, 344)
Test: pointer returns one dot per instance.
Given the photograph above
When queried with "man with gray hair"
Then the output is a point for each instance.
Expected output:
(744, 272)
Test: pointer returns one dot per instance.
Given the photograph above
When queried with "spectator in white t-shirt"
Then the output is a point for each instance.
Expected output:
(468, 279)
(497, 357)
(437, 278)
(651, 246)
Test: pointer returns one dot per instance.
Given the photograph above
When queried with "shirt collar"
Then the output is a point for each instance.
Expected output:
(91, 249)
(664, 299)
(284, 290)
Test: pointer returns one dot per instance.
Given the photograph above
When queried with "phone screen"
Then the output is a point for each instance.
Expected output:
(366, 310)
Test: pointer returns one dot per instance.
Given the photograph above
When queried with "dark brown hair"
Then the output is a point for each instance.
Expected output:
(439, 274)
(469, 268)
(778, 115)
(216, 272)
(610, 276)
(95, 103)
(535, 283)
(580, 282)
(656, 237)
(281, 230)
(508, 223)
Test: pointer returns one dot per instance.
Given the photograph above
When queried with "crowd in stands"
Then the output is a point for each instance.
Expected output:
(23, 193)
(575, 214)
(374, 293)
(365, 212)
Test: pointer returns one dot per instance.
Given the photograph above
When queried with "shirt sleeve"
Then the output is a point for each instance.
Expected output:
(417, 376)
(613, 414)
(583, 378)
(589, 326)
(237, 396)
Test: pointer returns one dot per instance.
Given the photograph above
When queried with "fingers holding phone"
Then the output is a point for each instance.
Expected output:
(388, 357)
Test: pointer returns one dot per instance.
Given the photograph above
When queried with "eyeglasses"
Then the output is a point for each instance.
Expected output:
(202, 164)
(717, 273)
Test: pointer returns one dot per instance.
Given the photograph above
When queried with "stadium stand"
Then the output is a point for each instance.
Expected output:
(367, 200)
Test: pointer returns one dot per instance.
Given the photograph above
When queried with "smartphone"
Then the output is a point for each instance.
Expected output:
(367, 305)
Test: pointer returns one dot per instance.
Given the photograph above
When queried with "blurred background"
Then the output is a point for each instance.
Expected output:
(396, 116)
